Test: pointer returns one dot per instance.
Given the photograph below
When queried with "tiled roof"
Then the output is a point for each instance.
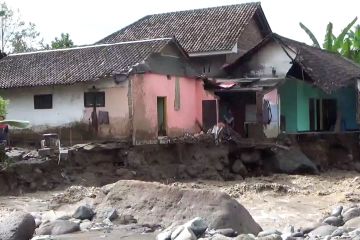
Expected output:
(199, 30)
(328, 70)
(68, 66)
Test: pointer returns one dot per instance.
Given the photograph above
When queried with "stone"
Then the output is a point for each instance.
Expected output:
(269, 232)
(83, 212)
(218, 209)
(322, 231)
(353, 223)
(38, 222)
(244, 237)
(228, 232)
(252, 157)
(220, 237)
(239, 168)
(126, 219)
(177, 232)
(58, 227)
(297, 234)
(112, 214)
(197, 225)
(164, 235)
(292, 161)
(85, 226)
(338, 232)
(334, 221)
(270, 237)
(351, 213)
(185, 234)
(336, 212)
(17, 226)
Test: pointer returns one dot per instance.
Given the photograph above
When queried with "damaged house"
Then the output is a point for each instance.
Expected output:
(139, 89)
(282, 85)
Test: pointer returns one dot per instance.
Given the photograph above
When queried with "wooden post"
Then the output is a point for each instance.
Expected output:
(259, 107)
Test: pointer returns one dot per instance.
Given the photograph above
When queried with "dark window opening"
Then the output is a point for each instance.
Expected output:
(43, 101)
(94, 97)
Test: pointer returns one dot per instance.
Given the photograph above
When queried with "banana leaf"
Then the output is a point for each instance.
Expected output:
(16, 123)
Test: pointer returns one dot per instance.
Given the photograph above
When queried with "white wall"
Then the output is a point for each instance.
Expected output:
(68, 103)
(270, 56)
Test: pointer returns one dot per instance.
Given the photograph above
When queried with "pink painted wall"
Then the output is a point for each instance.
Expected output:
(145, 90)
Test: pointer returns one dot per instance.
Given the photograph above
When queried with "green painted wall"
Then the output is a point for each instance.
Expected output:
(295, 95)
(288, 104)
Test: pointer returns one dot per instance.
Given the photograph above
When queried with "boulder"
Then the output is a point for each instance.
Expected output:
(155, 203)
(58, 227)
(83, 212)
(17, 226)
(244, 237)
(228, 232)
(270, 237)
(239, 168)
(351, 213)
(198, 226)
(336, 212)
(292, 161)
(353, 223)
(185, 234)
(322, 231)
(334, 221)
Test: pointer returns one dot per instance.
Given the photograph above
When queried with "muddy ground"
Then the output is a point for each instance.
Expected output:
(273, 201)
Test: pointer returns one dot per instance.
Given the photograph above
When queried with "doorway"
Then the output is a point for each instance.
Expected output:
(323, 114)
(161, 115)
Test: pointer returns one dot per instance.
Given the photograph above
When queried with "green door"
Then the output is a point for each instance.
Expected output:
(161, 115)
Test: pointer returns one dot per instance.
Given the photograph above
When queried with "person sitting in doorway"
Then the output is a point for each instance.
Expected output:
(229, 118)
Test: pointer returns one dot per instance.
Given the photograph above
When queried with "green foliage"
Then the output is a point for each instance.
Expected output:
(347, 43)
(3, 106)
(63, 42)
(16, 35)
(311, 35)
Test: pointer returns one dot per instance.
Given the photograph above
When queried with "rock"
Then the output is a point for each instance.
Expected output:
(292, 161)
(83, 212)
(239, 168)
(351, 213)
(270, 237)
(112, 214)
(37, 222)
(126, 219)
(197, 225)
(336, 212)
(353, 223)
(334, 221)
(219, 237)
(338, 232)
(177, 232)
(322, 231)
(85, 225)
(252, 157)
(57, 227)
(228, 232)
(270, 232)
(297, 235)
(244, 237)
(185, 234)
(174, 204)
(15, 154)
(17, 226)
(164, 235)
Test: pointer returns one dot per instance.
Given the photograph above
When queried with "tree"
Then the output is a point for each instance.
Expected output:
(347, 43)
(63, 42)
(16, 35)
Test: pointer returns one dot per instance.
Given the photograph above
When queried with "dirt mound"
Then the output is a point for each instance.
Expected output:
(154, 203)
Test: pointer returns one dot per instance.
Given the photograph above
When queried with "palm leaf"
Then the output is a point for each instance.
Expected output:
(329, 39)
(340, 39)
(311, 35)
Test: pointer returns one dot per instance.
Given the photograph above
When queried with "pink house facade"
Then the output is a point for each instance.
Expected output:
(175, 102)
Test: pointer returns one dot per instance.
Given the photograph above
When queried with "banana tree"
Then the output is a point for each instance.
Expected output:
(341, 43)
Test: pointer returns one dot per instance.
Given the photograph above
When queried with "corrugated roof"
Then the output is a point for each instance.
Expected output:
(199, 30)
(68, 66)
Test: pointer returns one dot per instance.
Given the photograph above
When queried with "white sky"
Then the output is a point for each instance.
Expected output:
(88, 21)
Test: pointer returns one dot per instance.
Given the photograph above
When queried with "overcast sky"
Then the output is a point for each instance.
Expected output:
(88, 21)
